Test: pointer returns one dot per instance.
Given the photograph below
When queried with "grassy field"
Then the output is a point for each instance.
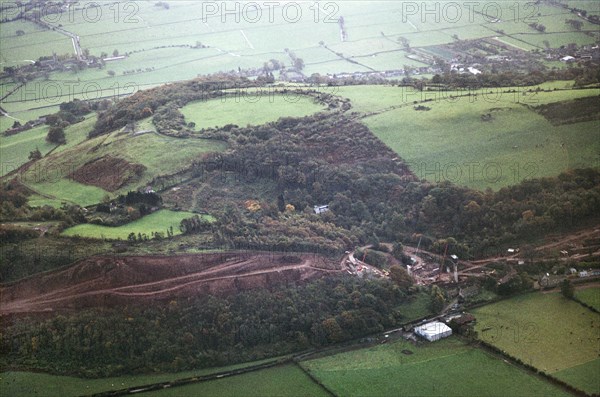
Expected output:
(452, 141)
(551, 333)
(434, 369)
(161, 44)
(15, 149)
(35, 200)
(584, 376)
(158, 221)
(36, 42)
(158, 154)
(287, 380)
(243, 110)
(28, 384)
(590, 296)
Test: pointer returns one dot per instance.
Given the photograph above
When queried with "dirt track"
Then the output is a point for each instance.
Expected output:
(109, 281)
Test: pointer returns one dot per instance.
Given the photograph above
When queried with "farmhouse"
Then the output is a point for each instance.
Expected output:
(433, 331)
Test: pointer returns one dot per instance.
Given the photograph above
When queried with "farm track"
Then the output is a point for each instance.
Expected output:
(100, 281)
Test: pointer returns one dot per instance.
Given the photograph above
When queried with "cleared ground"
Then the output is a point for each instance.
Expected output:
(433, 369)
(547, 331)
(113, 280)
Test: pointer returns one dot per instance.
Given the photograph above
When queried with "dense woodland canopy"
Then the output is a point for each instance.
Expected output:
(209, 331)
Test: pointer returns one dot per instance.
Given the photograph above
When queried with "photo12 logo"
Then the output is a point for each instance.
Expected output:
(468, 12)
(269, 11)
(474, 172)
(57, 92)
(56, 13)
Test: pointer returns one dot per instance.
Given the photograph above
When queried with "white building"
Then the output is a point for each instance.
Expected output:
(433, 331)
(319, 209)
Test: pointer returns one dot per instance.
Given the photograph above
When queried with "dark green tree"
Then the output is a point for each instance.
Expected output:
(567, 289)
(56, 135)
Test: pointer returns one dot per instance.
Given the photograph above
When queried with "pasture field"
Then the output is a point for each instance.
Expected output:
(243, 110)
(585, 376)
(556, 39)
(28, 384)
(165, 45)
(491, 141)
(553, 334)
(56, 188)
(36, 42)
(35, 200)
(24, 116)
(15, 149)
(589, 296)
(159, 155)
(400, 368)
(287, 380)
(158, 221)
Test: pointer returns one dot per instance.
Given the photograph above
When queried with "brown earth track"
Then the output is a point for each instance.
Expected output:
(117, 280)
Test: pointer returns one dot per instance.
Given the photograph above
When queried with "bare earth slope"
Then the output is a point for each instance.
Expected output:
(114, 280)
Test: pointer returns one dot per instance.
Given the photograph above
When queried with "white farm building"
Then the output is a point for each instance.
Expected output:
(433, 331)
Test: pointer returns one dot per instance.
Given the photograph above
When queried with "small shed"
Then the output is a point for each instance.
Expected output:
(319, 209)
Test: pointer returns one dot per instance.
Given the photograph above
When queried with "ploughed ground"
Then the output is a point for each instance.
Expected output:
(116, 280)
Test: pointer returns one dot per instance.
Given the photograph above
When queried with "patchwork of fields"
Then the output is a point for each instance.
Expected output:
(186, 40)
(435, 369)
(555, 335)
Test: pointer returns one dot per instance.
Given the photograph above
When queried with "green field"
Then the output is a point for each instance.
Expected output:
(433, 369)
(452, 142)
(547, 331)
(36, 42)
(161, 44)
(158, 221)
(15, 149)
(589, 296)
(159, 155)
(254, 109)
(287, 380)
(26, 384)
